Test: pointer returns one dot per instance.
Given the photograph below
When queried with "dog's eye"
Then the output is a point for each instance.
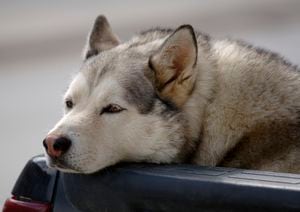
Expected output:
(69, 104)
(112, 108)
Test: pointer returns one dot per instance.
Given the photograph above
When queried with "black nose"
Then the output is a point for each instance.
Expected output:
(62, 144)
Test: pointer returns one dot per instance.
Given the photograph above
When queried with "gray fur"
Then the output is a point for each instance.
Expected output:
(227, 104)
(140, 93)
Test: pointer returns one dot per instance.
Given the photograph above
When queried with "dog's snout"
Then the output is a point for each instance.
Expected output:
(56, 145)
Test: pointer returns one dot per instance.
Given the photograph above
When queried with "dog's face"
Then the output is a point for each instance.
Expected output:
(125, 103)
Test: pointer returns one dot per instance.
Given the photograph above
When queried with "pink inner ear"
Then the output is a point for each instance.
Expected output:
(180, 59)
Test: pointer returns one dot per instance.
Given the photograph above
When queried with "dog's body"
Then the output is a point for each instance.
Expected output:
(174, 96)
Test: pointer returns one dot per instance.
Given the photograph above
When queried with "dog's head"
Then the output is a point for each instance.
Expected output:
(125, 103)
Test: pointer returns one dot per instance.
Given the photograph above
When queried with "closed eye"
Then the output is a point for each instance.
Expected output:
(112, 108)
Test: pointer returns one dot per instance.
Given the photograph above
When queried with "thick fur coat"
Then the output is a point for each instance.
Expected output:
(177, 96)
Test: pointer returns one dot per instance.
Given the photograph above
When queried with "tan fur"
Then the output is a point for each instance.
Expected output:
(264, 148)
(251, 97)
(173, 67)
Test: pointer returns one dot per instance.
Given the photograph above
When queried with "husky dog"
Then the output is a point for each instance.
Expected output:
(178, 96)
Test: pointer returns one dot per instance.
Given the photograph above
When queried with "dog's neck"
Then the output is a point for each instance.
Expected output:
(194, 109)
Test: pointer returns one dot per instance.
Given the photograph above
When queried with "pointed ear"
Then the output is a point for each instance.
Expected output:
(174, 65)
(101, 38)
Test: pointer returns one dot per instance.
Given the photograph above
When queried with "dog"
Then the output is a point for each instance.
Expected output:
(178, 96)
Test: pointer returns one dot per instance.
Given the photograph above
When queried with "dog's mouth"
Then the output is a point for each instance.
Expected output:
(62, 165)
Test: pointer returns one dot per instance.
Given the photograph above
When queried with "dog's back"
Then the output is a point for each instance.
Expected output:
(252, 120)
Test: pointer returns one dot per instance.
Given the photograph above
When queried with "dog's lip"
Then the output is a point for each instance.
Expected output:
(59, 165)
(55, 162)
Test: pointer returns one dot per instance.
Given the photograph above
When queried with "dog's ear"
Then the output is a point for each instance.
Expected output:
(173, 65)
(101, 38)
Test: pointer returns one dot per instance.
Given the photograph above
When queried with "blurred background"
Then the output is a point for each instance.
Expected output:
(41, 43)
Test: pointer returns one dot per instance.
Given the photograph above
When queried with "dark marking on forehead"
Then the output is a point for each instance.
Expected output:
(101, 73)
(139, 92)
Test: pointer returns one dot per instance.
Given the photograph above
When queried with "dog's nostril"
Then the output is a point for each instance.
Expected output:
(45, 144)
(62, 144)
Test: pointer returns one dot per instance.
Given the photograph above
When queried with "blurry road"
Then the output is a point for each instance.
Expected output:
(41, 42)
